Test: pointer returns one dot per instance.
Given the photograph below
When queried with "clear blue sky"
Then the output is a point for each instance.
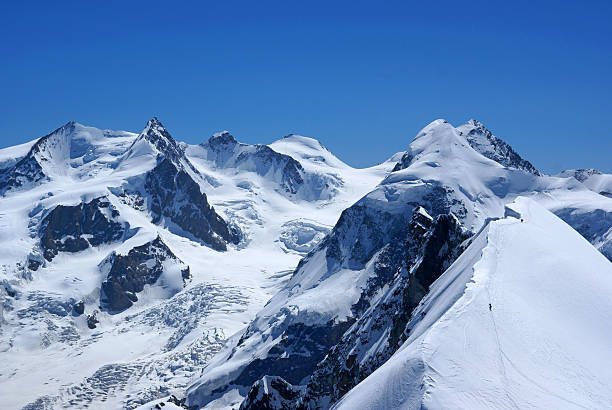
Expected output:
(362, 77)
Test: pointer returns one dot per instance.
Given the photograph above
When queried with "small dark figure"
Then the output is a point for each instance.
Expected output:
(490, 307)
(521, 219)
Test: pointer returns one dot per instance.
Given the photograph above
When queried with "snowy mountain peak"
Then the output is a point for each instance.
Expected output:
(592, 178)
(308, 151)
(48, 156)
(441, 140)
(580, 174)
(156, 134)
(222, 138)
(437, 144)
(155, 142)
(304, 144)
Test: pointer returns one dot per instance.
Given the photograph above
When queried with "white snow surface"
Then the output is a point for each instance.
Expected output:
(543, 344)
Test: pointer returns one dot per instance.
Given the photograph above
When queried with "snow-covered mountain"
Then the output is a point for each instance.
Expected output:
(593, 179)
(348, 306)
(233, 275)
(128, 259)
(520, 320)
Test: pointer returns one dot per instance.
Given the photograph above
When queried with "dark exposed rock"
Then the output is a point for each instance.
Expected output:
(487, 144)
(171, 193)
(92, 320)
(296, 355)
(426, 232)
(78, 308)
(583, 174)
(271, 393)
(593, 226)
(128, 274)
(288, 173)
(157, 135)
(176, 196)
(34, 264)
(75, 228)
(483, 141)
(404, 162)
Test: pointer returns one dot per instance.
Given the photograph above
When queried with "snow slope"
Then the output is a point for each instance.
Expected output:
(543, 344)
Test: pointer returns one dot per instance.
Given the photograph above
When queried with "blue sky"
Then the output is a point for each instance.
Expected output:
(362, 77)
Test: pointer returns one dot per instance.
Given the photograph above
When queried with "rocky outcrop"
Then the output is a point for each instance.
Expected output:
(127, 275)
(407, 271)
(75, 228)
(271, 393)
(483, 141)
(174, 195)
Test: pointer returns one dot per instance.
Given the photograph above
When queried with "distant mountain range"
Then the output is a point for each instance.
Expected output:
(138, 270)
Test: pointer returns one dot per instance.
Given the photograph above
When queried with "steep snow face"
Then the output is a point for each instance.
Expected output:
(346, 308)
(519, 320)
(593, 179)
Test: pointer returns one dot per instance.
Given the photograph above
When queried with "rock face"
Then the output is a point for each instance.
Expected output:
(581, 174)
(487, 144)
(271, 393)
(483, 141)
(160, 140)
(408, 271)
(128, 274)
(173, 194)
(595, 226)
(75, 228)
